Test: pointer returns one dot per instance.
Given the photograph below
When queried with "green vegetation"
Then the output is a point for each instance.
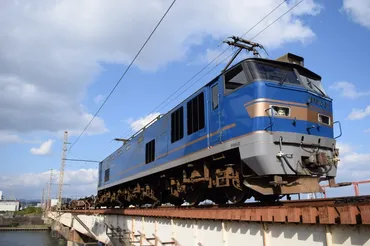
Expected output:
(29, 210)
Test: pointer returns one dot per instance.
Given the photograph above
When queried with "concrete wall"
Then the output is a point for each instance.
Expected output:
(217, 232)
(21, 220)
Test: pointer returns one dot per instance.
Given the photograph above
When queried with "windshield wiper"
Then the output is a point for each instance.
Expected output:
(310, 84)
(282, 80)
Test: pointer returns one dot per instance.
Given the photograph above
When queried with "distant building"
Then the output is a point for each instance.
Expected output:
(8, 205)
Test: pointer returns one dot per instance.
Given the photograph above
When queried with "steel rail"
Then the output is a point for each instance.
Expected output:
(342, 210)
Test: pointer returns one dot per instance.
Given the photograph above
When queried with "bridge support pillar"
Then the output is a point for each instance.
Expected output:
(73, 237)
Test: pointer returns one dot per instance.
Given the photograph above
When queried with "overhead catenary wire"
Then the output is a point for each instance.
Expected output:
(204, 75)
(223, 60)
(219, 55)
(123, 75)
(242, 36)
(281, 16)
(158, 108)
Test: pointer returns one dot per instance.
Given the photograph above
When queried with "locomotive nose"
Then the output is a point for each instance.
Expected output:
(318, 114)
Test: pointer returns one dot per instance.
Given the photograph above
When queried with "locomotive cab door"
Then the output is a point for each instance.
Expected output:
(214, 112)
(162, 139)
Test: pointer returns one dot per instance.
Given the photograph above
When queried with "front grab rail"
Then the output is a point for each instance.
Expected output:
(272, 121)
(340, 129)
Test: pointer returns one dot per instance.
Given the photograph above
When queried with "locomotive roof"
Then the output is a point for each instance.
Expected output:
(292, 65)
(279, 63)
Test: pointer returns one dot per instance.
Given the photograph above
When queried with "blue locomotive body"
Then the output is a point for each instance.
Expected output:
(270, 119)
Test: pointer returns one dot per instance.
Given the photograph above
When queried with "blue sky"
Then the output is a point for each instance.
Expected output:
(59, 61)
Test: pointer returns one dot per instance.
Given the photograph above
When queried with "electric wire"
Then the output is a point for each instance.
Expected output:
(191, 85)
(242, 36)
(213, 60)
(109, 149)
(281, 16)
(206, 66)
(123, 75)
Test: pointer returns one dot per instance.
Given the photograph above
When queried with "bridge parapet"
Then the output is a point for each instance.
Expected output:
(152, 227)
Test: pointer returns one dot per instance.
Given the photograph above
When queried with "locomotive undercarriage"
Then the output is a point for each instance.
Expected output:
(220, 178)
(207, 179)
(254, 169)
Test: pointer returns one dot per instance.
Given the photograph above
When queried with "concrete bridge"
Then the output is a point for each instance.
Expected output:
(320, 225)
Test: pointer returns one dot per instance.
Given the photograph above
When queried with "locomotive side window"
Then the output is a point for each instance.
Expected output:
(272, 72)
(150, 151)
(106, 175)
(234, 79)
(195, 115)
(215, 96)
(177, 125)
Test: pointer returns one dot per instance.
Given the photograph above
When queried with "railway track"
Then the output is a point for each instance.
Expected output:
(328, 201)
(350, 200)
(343, 210)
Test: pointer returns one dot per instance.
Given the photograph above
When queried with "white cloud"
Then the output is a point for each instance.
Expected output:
(10, 137)
(344, 148)
(99, 98)
(81, 182)
(356, 158)
(6, 137)
(96, 127)
(358, 114)
(143, 121)
(367, 130)
(211, 55)
(44, 149)
(42, 106)
(353, 165)
(45, 84)
(349, 90)
(358, 11)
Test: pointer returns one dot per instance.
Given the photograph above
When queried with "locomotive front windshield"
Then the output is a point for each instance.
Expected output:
(286, 74)
(269, 72)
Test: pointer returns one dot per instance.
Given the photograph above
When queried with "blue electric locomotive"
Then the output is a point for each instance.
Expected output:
(262, 128)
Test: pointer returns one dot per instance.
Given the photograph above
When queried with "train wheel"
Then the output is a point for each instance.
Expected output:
(218, 196)
(236, 195)
(173, 200)
(220, 201)
(158, 202)
(194, 193)
(266, 198)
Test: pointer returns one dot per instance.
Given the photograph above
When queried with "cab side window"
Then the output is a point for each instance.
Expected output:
(215, 97)
(234, 79)
(106, 175)
(150, 151)
(195, 116)
(177, 125)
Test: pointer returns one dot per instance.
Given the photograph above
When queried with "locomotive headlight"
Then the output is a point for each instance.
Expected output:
(281, 111)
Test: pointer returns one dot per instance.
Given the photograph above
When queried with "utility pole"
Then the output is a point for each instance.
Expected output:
(43, 200)
(62, 165)
(49, 190)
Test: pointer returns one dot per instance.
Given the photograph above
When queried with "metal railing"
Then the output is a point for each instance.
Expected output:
(355, 184)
